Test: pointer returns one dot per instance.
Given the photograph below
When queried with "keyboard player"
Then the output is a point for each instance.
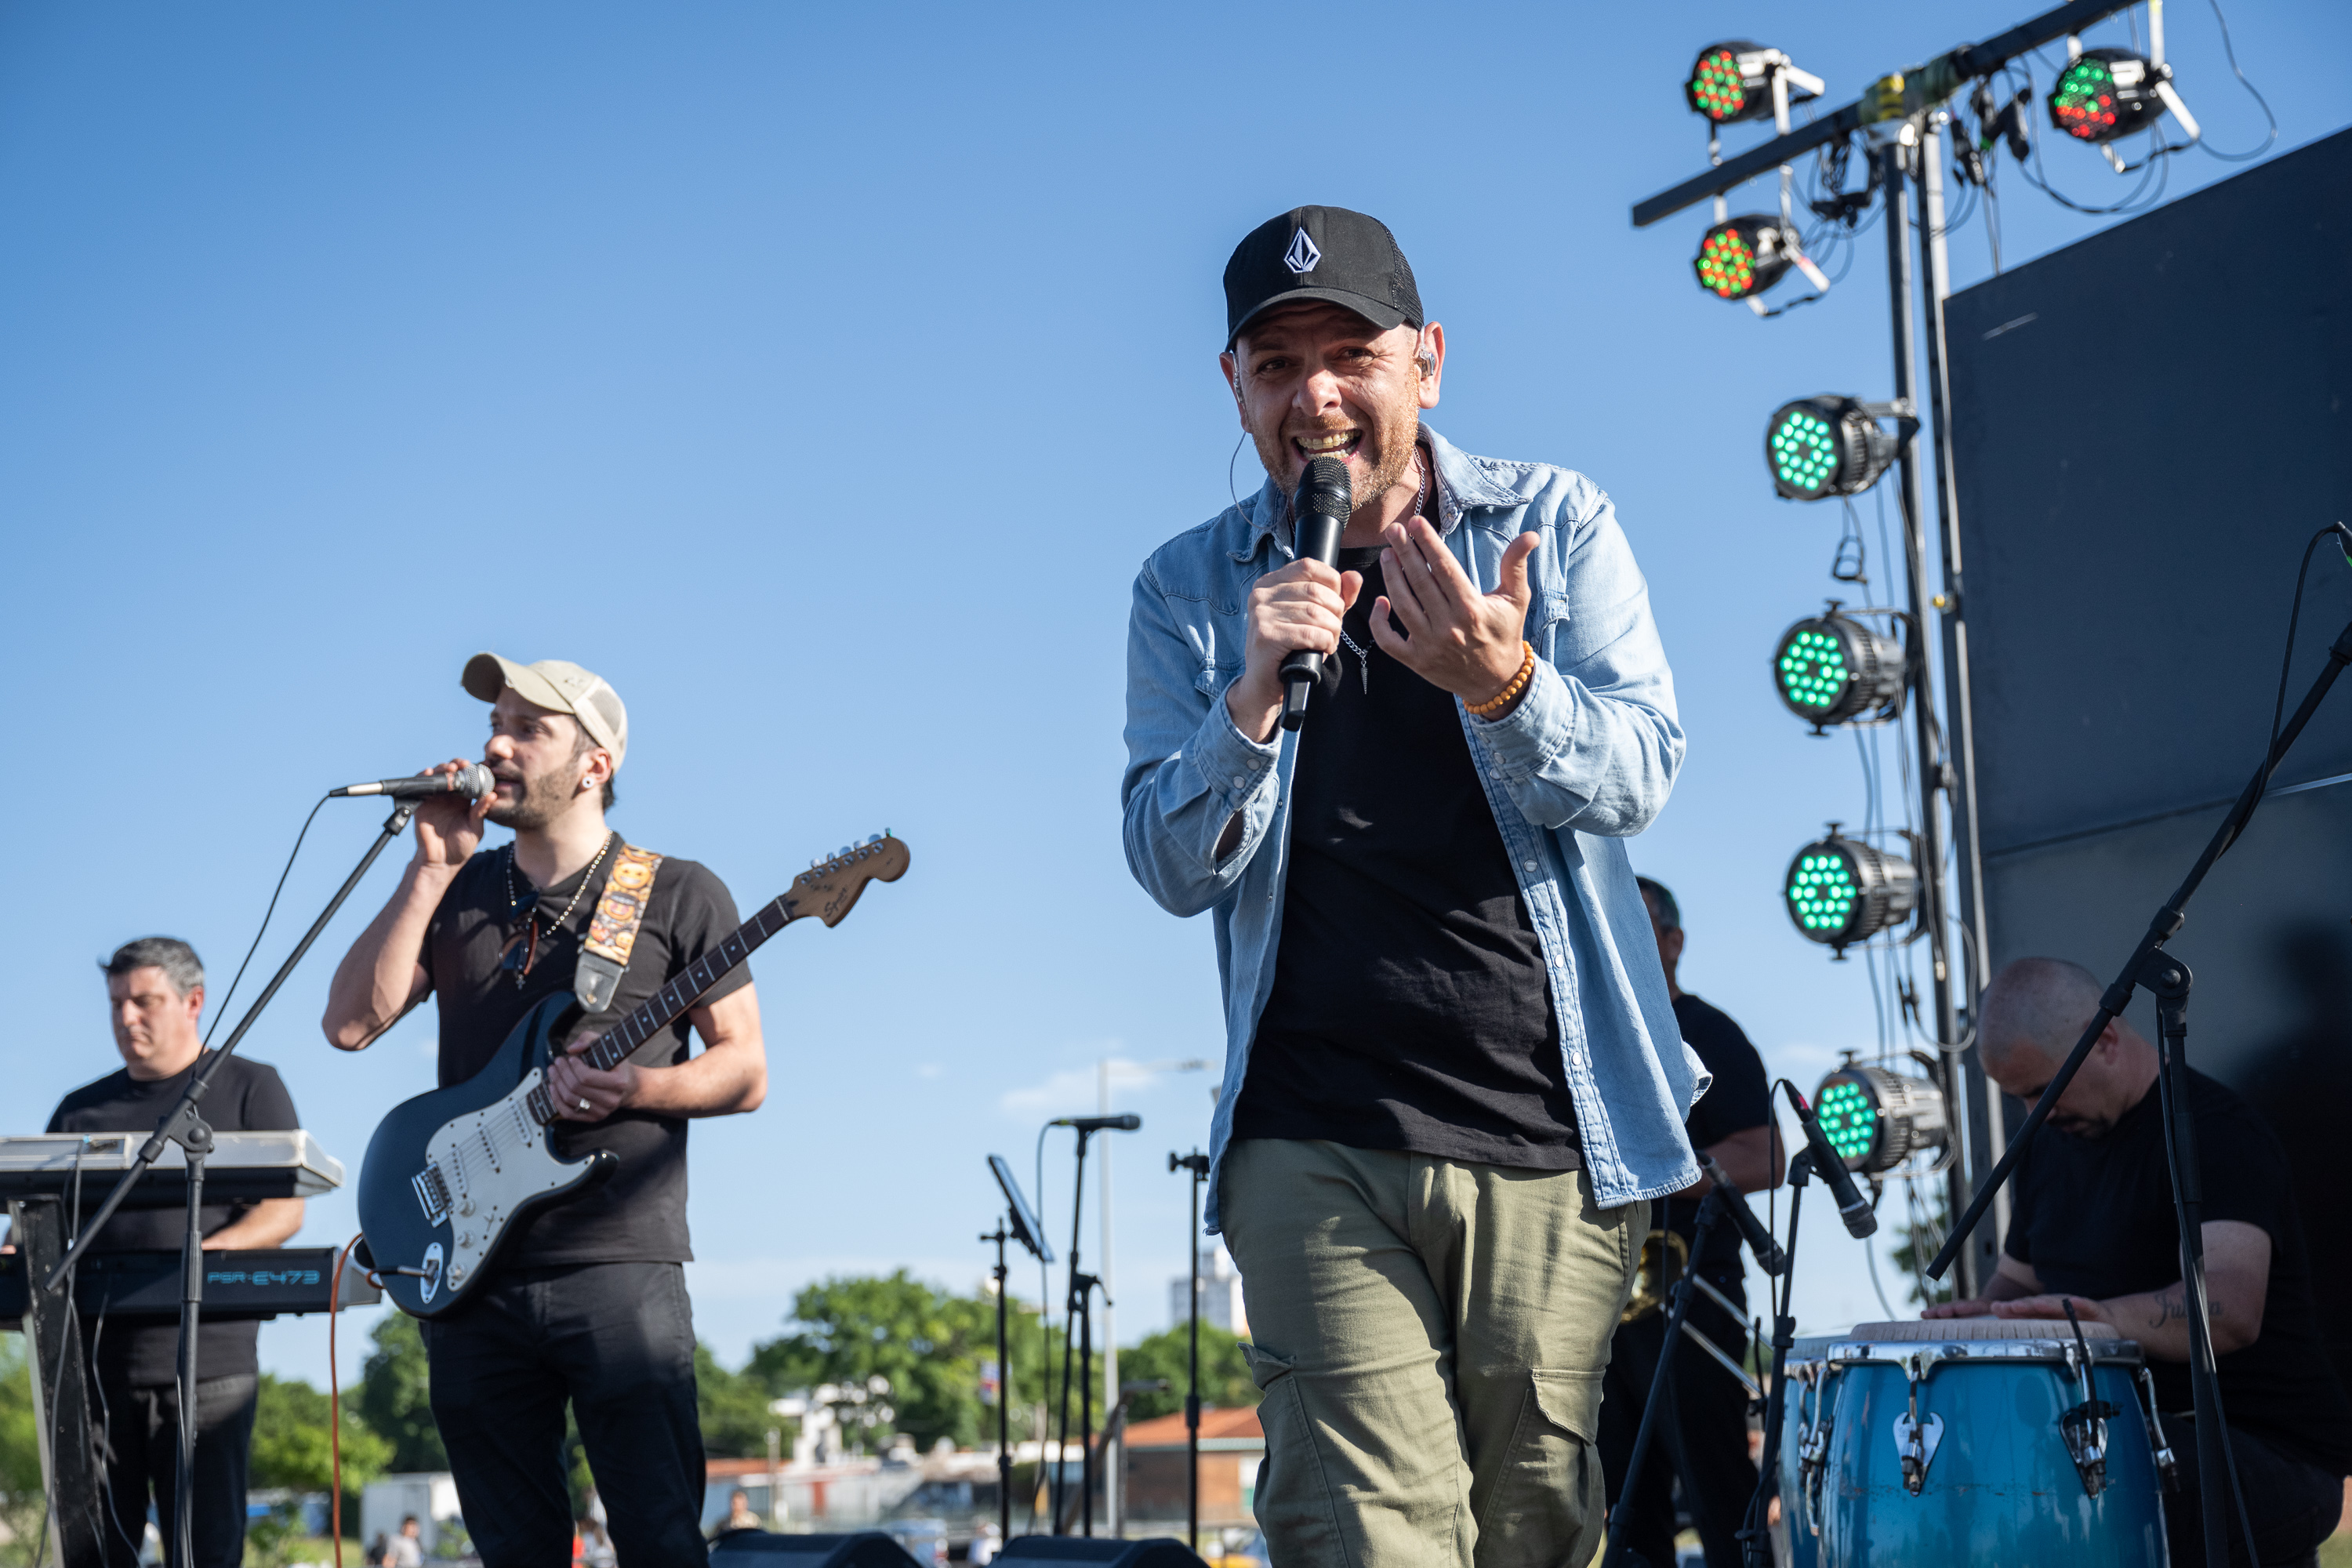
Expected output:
(155, 987)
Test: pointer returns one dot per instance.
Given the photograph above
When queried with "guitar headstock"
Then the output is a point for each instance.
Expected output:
(829, 887)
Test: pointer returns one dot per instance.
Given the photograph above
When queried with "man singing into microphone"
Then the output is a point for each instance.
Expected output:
(587, 1304)
(1454, 1076)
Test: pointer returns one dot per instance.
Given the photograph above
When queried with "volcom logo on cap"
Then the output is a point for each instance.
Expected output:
(1302, 256)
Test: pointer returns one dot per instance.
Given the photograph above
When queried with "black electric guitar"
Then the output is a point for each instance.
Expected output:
(448, 1173)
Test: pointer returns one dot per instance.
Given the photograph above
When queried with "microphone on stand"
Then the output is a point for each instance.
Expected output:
(1127, 1123)
(1769, 1255)
(1317, 514)
(1860, 1221)
(473, 781)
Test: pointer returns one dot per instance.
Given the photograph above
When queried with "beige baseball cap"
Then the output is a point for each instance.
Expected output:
(561, 685)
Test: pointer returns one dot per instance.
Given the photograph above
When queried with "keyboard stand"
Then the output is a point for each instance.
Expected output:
(61, 1394)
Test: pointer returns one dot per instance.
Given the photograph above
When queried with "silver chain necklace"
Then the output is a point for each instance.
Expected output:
(1364, 655)
(534, 914)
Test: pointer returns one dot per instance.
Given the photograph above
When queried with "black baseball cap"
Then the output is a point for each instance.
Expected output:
(1320, 253)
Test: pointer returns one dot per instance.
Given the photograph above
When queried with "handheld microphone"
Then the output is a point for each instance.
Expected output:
(473, 781)
(1317, 514)
(1769, 1255)
(1127, 1123)
(1859, 1220)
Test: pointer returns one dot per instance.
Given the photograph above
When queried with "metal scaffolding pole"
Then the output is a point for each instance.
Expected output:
(1979, 1097)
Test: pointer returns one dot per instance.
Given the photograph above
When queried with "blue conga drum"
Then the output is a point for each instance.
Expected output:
(1976, 1441)
(1793, 1516)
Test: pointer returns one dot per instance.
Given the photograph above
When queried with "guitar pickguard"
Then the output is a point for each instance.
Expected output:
(482, 1168)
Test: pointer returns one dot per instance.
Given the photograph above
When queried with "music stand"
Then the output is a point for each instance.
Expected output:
(1026, 1228)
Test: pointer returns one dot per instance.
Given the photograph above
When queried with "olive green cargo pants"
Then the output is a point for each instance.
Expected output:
(1430, 1335)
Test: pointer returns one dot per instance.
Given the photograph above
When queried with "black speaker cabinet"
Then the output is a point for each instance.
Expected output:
(758, 1548)
(1027, 1550)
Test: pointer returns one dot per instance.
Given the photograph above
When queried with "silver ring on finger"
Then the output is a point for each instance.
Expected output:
(584, 1105)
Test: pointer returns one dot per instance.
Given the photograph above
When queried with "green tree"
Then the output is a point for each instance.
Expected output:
(20, 1454)
(928, 1342)
(393, 1396)
(1226, 1382)
(1922, 1237)
(293, 1445)
(734, 1409)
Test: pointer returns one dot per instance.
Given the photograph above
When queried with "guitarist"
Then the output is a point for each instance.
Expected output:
(586, 1304)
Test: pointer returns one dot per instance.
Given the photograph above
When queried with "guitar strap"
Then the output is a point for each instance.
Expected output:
(612, 929)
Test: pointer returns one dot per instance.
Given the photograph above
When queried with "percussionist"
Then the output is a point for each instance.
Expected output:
(2094, 1223)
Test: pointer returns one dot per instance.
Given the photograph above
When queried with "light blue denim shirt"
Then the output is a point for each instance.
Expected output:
(1583, 762)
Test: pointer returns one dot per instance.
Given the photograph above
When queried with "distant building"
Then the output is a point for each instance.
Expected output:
(1220, 1294)
(1232, 1445)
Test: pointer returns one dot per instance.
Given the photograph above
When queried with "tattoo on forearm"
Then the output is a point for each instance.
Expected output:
(2172, 1305)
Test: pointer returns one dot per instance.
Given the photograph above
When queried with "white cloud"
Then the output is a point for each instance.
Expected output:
(1075, 1091)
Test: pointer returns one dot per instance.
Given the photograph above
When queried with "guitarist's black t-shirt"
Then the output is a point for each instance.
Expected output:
(244, 1097)
(638, 1216)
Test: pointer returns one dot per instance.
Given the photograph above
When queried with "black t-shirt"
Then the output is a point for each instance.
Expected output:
(637, 1215)
(1409, 1008)
(2095, 1218)
(1739, 1098)
(244, 1097)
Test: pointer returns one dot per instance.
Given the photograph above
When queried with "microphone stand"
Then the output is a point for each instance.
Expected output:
(1198, 1163)
(186, 1127)
(1710, 1215)
(1076, 1309)
(2168, 979)
(1754, 1536)
(1004, 1392)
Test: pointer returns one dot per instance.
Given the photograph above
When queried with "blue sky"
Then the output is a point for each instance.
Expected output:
(821, 377)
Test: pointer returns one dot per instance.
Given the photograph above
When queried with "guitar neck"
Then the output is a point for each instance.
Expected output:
(660, 1010)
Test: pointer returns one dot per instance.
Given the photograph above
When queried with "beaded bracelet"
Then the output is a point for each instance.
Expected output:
(1504, 698)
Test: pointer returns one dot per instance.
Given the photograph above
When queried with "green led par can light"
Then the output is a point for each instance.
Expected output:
(2105, 94)
(1732, 82)
(1875, 1120)
(1829, 668)
(1840, 891)
(1727, 83)
(1817, 448)
(1742, 256)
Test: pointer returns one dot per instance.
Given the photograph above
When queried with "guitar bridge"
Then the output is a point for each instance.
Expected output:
(432, 1194)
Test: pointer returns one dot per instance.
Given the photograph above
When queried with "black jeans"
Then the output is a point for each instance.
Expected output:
(616, 1341)
(2294, 1504)
(1701, 1435)
(137, 1431)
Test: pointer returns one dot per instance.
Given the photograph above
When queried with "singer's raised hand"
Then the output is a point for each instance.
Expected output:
(449, 826)
(1297, 606)
(1456, 638)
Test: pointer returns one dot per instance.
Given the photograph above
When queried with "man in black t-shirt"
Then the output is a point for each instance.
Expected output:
(156, 990)
(2091, 1220)
(1704, 1435)
(586, 1304)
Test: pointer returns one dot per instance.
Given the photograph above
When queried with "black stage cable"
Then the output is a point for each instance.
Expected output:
(220, 1009)
(2294, 614)
(2231, 50)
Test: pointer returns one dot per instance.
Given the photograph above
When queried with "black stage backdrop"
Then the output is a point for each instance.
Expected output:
(2148, 424)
